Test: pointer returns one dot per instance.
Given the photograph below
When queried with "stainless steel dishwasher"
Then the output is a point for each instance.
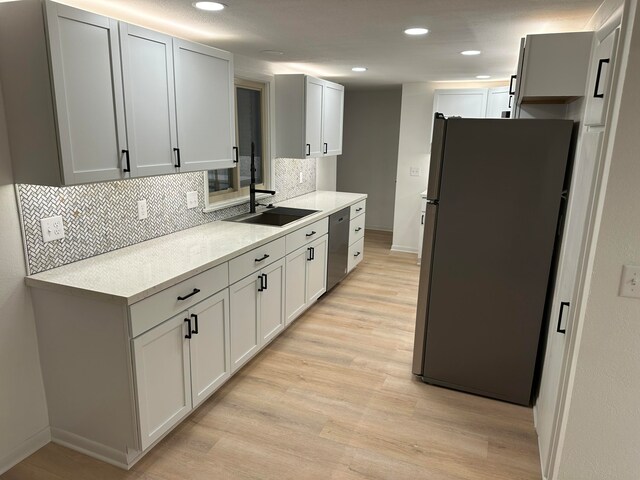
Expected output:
(338, 247)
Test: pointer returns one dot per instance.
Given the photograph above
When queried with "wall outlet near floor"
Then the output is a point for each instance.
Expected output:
(414, 171)
(52, 228)
(142, 209)
(192, 199)
(301, 178)
(630, 281)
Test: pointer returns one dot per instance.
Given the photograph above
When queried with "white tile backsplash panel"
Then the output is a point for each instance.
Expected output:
(102, 217)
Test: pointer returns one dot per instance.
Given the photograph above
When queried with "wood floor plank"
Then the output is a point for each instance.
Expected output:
(333, 398)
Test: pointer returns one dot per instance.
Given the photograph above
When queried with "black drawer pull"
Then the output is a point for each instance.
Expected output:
(311, 234)
(512, 90)
(358, 229)
(359, 209)
(195, 290)
(308, 149)
(128, 159)
(177, 151)
(326, 148)
(188, 335)
(357, 254)
(598, 75)
(264, 257)
(195, 318)
(562, 305)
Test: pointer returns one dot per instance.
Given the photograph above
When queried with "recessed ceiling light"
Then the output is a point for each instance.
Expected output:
(359, 69)
(416, 31)
(483, 77)
(209, 6)
(272, 52)
(471, 52)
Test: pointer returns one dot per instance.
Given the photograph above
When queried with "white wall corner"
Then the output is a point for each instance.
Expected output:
(26, 448)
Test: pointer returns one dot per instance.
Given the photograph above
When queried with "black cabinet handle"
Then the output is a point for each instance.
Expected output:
(264, 257)
(195, 290)
(237, 158)
(510, 99)
(358, 229)
(309, 257)
(126, 156)
(312, 253)
(308, 149)
(357, 254)
(598, 75)
(261, 287)
(359, 209)
(326, 148)
(195, 318)
(558, 329)
(266, 281)
(188, 335)
(311, 234)
(422, 220)
(512, 90)
(177, 152)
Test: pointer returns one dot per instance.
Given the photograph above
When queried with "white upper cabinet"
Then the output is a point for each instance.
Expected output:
(600, 74)
(147, 71)
(461, 102)
(497, 102)
(309, 117)
(554, 67)
(85, 67)
(204, 104)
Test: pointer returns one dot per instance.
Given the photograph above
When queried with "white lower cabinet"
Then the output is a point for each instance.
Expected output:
(179, 363)
(257, 312)
(306, 277)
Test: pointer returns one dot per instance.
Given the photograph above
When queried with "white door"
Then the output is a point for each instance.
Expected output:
(579, 205)
(313, 117)
(243, 330)
(87, 79)
(147, 71)
(497, 102)
(163, 382)
(600, 75)
(296, 283)
(332, 119)
(317, 270)
(464, 102)
(272, 301)
(210, 356)
(204, 106)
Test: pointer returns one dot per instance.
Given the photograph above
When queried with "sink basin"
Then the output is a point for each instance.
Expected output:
(277, 217)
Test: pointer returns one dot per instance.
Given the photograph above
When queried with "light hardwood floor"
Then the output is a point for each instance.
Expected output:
(333, 398)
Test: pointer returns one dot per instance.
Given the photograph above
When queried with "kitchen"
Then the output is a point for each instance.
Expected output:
(592, 397)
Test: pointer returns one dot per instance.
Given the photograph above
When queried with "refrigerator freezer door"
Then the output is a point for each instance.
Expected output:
(423, 293)
(497, 219)
(437, 151)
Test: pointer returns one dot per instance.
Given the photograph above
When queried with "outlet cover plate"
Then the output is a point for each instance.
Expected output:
(52, 228)
(192, 199)
(630, 281)
(414, 171)
(143, 213)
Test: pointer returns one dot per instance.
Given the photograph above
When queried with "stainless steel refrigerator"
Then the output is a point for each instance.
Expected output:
(494, 198)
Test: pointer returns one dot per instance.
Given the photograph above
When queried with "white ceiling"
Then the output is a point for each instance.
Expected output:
(328, 37)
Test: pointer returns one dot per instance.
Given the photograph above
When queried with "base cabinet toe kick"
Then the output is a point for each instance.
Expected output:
(119, 377)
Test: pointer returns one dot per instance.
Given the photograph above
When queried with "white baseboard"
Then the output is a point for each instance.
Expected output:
(26, 448)
(404, 249)
(90, 448)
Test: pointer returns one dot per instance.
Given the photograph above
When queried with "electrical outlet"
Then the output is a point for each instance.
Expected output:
(414, 171)
(301, 179)
(192, 199)
(52, 228)
(142, 209)
(630, 281)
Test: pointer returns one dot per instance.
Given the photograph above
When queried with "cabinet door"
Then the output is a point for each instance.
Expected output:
(313, 116)
(272, 301)
(497, 102)
(204, 106)
(163, 382)
(210, 356)
(296, 283)
(468, 103)
(87, 80)
(147, 70)
(317, 270)
(332, 119)
(599, 87)
(244, 327)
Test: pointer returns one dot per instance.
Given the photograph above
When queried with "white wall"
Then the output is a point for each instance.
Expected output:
(326, 173)
(602, 426)
(370, 151)
(24, 423)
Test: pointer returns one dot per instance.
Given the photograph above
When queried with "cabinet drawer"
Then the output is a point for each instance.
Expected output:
(256, 259)
(358, 208)
(356, 252)
(356, 227)
(153, 310)
(307, 234)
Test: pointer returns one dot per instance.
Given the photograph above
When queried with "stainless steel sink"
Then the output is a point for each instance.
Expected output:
(277, 216)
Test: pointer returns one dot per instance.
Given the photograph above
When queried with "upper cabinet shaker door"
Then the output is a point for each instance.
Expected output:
(600, 75)
(87, 79)
(204, 105)
(147, 70)
(333, 104)
(314, 100)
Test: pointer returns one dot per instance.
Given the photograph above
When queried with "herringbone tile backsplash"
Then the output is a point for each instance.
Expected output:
(101, 217)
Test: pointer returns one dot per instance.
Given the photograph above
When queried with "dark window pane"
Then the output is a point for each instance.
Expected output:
(220, 180)
(249, 109)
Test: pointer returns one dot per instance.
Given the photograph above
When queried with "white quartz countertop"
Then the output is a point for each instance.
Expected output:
(136, 272)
